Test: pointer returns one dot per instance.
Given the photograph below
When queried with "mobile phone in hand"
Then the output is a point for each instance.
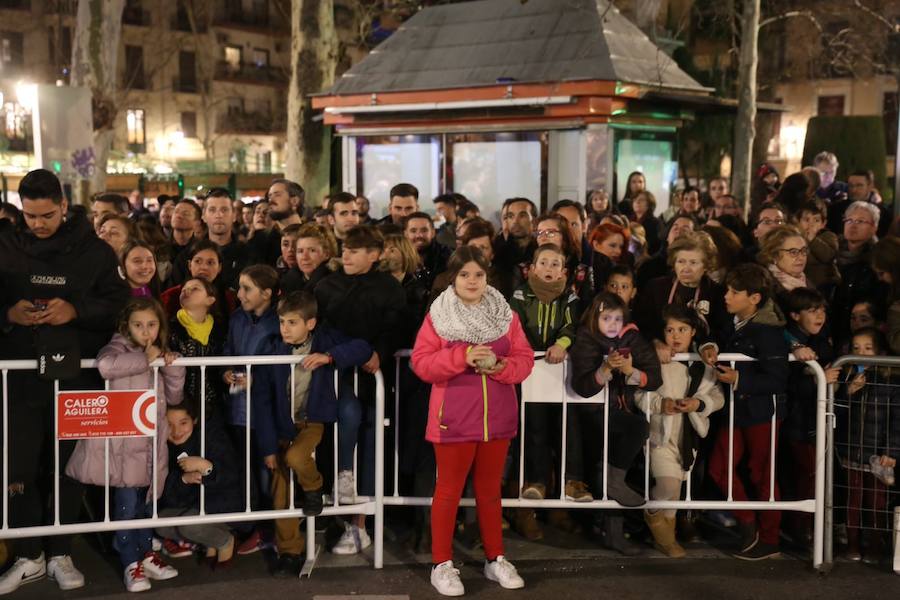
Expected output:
(624, 351)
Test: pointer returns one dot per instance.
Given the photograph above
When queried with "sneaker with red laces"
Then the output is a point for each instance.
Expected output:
(135, 579)
(156, 568)
(177, 549)
(252, 544)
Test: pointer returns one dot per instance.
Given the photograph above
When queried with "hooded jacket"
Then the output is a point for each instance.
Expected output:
(73, 264)
(125, 366)
(466, 406)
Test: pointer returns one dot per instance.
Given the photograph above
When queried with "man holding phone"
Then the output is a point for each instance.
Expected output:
(60, 291)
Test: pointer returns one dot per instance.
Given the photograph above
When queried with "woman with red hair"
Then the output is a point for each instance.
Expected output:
(610, 243)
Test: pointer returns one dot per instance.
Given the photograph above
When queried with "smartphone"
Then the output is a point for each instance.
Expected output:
(624, 352)
(860, 369)
(182, 455)
(39, 304)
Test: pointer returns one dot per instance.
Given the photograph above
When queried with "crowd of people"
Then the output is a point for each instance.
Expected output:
(611, 286)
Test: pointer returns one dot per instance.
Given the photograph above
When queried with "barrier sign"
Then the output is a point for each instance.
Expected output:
(105, 413)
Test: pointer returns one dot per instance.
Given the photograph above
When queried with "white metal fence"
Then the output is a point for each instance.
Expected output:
(551, 384)
(548, 384)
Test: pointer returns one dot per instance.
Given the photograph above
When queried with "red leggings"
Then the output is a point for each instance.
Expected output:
(753, 446)
(453, 464)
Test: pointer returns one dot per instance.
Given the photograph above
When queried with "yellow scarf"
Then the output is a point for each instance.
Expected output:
(198, 331)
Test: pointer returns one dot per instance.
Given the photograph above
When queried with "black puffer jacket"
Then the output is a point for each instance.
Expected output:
(868, 421)
(370, 307)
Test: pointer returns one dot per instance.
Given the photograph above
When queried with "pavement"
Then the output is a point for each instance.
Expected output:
(560, 567)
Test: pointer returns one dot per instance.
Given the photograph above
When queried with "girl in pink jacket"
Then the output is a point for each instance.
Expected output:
(125, 363)
(473, 351)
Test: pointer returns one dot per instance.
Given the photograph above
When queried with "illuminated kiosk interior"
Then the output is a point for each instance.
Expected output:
(495, 99)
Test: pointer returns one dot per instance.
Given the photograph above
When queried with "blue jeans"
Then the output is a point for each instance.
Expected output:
(354, 415)
(131, 544)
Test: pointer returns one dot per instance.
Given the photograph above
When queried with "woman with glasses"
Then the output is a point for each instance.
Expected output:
(784, 252)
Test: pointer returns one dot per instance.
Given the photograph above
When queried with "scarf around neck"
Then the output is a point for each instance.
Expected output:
(198, 331)
(476, 324)
(546, 291)
(788, 282)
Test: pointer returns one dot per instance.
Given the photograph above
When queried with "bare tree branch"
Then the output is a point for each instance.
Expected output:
(790, 15)
(895, 27)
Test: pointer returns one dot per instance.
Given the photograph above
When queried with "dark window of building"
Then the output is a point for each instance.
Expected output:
(187, 70)
(134, 68)
(189, 124)
(831, 106)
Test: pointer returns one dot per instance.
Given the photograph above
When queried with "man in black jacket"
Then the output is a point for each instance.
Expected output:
(419, 230)
(60, 291)
(218, 214)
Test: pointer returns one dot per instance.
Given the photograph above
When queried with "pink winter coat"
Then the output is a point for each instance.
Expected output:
(466, 406)
(130, 460)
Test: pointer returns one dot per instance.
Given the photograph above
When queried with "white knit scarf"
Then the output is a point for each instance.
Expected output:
(476, 323)
(788, 282)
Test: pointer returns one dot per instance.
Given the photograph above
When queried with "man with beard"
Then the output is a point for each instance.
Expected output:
(218, 214)
(404, 201)
(515, 245)
(343, 215)
(419, 230)
(285, 205)
(60, 292)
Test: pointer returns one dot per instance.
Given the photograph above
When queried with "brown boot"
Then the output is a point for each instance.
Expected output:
(527, 526)
(562, 520)
(663, 530)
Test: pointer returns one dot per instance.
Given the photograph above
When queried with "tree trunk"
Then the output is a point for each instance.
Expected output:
(95, 53)
(314, 54)
(744, 127)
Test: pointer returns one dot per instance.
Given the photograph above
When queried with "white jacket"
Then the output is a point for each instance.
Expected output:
(675, 384)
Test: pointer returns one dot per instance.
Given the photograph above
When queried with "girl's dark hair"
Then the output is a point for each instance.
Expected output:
(874, 334)
(201, 245)
(189, 404)
(461, 257)
(682, 314)
(137, 304)
(264, 277)
(602, 302)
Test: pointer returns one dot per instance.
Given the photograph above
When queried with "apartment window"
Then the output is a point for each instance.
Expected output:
(187, 69)
(233, 57)
(134, 68)
(134, 120)
(60, 49)
(260, 57)
(235, 105)
(831, 106)
(189, 124)
(11, 54)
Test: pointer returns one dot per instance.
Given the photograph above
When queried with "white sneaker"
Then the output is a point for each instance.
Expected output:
(353, 541)
(156, 568)
(346, 488)
(503, 572)
(24, 570)
(61, 570)
(135, 579)
(445, 579)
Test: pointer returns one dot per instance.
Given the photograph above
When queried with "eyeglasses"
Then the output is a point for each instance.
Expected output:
(857, 222)
(550, 233)
(768, 221)
(795, 252)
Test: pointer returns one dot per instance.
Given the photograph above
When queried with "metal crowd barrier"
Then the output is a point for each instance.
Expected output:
(559, 392)
(366, 505)
(892, 517)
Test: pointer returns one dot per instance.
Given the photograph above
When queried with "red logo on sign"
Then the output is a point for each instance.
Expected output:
(105, 413)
